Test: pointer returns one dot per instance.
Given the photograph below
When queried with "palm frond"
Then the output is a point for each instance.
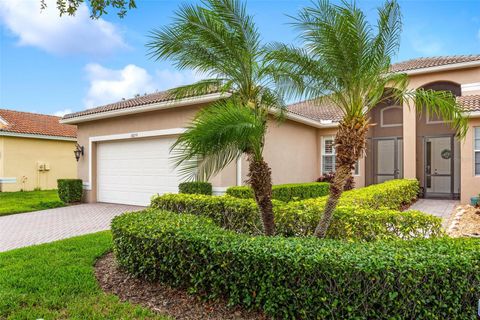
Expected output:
(217, 136)
(199, 88)
(443, 104)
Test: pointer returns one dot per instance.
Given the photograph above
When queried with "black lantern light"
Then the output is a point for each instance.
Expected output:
(78, 152)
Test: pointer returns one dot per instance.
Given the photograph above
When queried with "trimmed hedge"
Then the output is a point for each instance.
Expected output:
(197, 187)
(286, 192)
(359, 216)
(70, 190)
(302, 278)
(240, 215)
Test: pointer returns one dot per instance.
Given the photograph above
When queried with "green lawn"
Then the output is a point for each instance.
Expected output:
(56, 281)
(26, 201)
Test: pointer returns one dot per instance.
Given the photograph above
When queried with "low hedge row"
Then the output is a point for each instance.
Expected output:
(359, 216)
(286, 192)
(195, 187)
(240, 215)
(302, 278)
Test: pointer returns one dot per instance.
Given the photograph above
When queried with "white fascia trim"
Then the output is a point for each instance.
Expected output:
(8, 180)
(446, 67)
(124, 136)
(147, 107)
(474, 86)
(475, 114)
(310, 122)
(3, 121)
(35, 136)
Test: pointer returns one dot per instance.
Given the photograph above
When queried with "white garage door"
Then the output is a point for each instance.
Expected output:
(131, 171)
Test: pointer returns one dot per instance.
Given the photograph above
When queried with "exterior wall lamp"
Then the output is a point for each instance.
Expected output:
(78, 151)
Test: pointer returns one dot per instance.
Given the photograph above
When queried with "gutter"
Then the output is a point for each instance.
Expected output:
(145, 108)
(474, 114)
(35, 136)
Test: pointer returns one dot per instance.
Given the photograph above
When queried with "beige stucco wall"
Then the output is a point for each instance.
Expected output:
(147, 121)
(291, 148)
(470, 184)
(20, 158)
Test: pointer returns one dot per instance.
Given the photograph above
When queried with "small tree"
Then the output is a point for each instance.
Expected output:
(97, 7)
(219, 39)
(346, 62)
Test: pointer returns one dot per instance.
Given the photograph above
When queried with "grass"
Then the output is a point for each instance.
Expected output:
(56, 281)
(26, 201)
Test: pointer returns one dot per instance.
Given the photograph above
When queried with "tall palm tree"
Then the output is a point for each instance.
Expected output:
(218, 38)
(345, 61)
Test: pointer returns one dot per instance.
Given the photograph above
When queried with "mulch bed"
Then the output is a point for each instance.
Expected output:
(469, 225)
(173, 302)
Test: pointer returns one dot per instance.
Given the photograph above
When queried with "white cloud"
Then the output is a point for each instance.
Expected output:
(61, 113)
(111, 85)
(59, 35)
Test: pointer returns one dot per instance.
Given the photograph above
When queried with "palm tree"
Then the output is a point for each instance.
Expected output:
(345, 61)
(218, 38)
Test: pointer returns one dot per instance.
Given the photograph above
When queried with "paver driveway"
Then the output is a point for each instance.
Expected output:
(25, 229)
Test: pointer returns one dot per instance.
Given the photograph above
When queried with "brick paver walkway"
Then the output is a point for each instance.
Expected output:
(25, 229)
(439, 208)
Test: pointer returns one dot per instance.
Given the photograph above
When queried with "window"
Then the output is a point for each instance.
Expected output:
(476, 149)
(329, 157)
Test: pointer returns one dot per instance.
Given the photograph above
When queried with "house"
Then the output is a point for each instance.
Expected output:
(127, 143)
(35, 151)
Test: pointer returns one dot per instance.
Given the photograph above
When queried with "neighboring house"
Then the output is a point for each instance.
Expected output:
(35, 151)
(127, 143)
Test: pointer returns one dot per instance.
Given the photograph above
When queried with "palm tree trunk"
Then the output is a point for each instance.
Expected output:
(349, 145)
(260, 178)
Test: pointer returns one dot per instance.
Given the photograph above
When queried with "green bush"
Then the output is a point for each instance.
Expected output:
(196, 187)
(286, 192)
(359, 216)
(240, 215)
(70, 190)
(303, 278)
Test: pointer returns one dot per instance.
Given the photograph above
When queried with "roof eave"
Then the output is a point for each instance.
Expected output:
(310, 122)
(35, 136)
(473, 114)
(446, 67)
(145, 108)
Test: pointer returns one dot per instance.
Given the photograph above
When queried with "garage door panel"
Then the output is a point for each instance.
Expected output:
(132, 171)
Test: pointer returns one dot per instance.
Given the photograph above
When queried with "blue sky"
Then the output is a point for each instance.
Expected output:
(55, 65)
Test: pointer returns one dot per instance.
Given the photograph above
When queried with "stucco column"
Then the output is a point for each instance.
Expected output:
(409, 141)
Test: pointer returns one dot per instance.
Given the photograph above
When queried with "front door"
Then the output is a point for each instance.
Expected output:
(388, 158)
(439, 155)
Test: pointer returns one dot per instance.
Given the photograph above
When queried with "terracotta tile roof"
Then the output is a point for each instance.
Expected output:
(156, 97)
(33, 123)
(327, 112)
(421, 63)
(470, 103)
(316, 111)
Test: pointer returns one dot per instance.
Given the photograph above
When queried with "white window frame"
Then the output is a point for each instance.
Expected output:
(356, 171)
(475, 151)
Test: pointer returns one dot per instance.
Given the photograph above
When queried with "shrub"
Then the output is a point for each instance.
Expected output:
(285, 192)
(358, 218)
(303, 278)
(328, 177)
(240, 215)
(70, 190)
(196, 187)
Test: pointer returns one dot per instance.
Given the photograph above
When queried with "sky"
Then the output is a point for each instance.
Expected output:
(57, 65)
